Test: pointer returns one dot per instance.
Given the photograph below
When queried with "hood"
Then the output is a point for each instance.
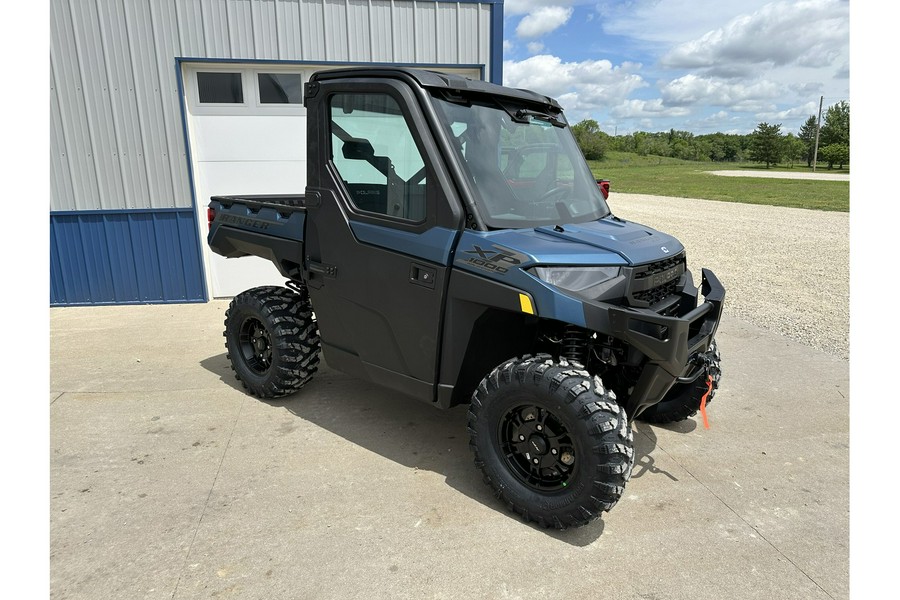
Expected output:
(635, 243)
(608, 241)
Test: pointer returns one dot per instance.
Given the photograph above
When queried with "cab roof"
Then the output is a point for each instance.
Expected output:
(439, 80)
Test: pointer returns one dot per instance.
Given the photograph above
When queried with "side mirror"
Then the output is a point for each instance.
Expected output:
(358, 149)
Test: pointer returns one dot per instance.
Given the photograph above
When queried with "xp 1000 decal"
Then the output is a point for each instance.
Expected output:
(495, 259)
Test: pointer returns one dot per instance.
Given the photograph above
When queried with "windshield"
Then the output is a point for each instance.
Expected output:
(526, 171)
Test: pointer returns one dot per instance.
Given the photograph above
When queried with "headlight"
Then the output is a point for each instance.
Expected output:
(589, 282)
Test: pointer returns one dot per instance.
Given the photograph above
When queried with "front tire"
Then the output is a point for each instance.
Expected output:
(272, 340)
(551, 441)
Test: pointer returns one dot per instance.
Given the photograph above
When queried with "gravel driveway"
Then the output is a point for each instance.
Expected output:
(784, 175)
(784, 269)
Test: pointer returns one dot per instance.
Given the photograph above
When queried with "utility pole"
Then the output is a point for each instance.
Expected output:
(818, 127)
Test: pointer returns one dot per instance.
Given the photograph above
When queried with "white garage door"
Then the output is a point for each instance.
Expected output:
(247, 134)
(247, 131)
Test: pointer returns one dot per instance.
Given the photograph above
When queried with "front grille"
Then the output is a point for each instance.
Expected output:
(656, 281)
(658, 267)
(654, 295)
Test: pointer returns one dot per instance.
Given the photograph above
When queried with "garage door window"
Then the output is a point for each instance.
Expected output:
(220, 88)
(280, 88)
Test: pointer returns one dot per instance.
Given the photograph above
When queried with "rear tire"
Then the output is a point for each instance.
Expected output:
(272, 340)
(550, 440)
(683, 400)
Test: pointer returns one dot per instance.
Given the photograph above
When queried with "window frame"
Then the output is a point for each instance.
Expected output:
(237, 72)
(425, 144)
(404, 114)
(251, 106)
(258, 96)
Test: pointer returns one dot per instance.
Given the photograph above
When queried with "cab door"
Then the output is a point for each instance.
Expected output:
(383, 220)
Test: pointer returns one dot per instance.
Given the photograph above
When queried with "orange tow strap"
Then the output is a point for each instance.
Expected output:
(709, 384)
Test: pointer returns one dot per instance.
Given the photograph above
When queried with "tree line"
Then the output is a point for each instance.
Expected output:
(766, 144)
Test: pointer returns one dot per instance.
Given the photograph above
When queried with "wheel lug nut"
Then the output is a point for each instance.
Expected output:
(553, 451)
(539, 427)
(536, 461)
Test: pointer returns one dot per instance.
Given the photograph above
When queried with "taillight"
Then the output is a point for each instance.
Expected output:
(604, 187)
(210, 217)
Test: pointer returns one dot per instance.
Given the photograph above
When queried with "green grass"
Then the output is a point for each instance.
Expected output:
(662, 176)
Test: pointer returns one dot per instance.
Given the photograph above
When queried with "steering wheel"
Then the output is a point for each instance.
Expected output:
(554, 191)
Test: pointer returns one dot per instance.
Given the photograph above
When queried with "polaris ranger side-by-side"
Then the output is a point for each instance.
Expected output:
(452, 245)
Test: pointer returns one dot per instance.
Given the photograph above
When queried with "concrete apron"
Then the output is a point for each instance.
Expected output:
(169, 482)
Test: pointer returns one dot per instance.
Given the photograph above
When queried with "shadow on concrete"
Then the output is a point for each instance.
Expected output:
(219, 365)
(645, 442)
(644, 445)
(415, 435)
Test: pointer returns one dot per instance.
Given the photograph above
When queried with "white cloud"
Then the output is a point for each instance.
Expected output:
(714, 65)
(722, 121)
(807, 88)
(809, 33)
(639, 109)
(843, 71)
(753, 106)
(542, 21)
(695, 90)
(669, 21)
(794, 113)
(523, 7)
(578, 85)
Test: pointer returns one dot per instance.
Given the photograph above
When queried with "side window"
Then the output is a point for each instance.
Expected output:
(377, 157)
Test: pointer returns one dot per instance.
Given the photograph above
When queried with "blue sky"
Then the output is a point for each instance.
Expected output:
(696, 65)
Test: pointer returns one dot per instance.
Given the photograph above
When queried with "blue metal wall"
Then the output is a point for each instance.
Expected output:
(125, 257)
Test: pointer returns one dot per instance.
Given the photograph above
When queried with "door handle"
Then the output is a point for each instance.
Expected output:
(422, 275)
(323, 269)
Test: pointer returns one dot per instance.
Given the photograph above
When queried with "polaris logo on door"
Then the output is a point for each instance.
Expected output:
(498, 260)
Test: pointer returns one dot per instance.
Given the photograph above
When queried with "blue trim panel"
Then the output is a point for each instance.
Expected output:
(188, 157)
(331, 63)
(497, 43)
(125, 257)
(432, 245)
(550, 302)
(503, 255)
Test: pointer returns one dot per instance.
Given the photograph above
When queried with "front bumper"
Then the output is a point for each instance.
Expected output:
(671, 344)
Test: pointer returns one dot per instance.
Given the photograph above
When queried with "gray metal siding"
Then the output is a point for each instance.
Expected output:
(381, 23)
(76, 150)
(426, 32)
(117, 140)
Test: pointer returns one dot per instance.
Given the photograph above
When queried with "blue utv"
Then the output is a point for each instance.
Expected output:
(452, 245)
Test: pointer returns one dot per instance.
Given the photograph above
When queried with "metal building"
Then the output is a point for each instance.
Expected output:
(157, 104)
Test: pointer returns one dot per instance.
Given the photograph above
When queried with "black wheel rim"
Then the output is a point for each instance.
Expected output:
(538, 448)
(256, 345)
